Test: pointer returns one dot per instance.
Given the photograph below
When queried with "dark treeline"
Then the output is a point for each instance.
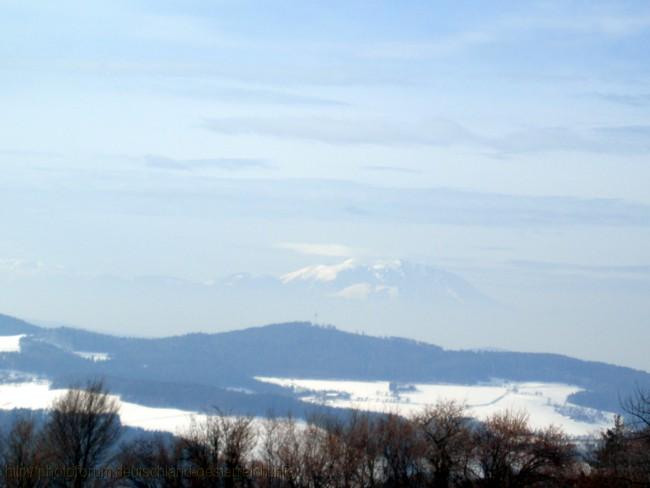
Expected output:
(79, 445)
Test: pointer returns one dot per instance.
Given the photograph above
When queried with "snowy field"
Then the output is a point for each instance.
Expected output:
(93, 356)
(10, 343)
(37, 395)
(546, 403)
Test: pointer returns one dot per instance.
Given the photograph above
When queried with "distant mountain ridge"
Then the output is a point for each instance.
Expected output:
(196, 371)
(353, 280)
(391, 279)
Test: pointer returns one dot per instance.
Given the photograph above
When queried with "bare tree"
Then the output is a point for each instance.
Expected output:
(314, 464)
(344, 456)
(402, 450)
(282, 452)
(511, 454)
(221, 447)
(359, 452)
(151, 463)
(447, 436)
(23, 461)
(622, 457)
(83, 426)
(325, 451)
(363, 441)
(638, 407)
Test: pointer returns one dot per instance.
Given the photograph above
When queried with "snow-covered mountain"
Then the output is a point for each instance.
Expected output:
(358, 281)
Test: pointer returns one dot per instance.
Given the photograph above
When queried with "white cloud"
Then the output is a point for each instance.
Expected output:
(358, 291)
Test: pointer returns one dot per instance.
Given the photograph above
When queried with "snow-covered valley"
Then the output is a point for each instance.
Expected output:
(545, 403)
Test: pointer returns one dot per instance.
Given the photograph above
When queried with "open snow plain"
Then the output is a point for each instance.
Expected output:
(37, 395)
(546, 403)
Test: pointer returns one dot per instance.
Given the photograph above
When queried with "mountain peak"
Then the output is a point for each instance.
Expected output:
(386, 279)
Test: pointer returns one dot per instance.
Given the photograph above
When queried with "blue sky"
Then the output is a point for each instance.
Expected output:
(505, 141)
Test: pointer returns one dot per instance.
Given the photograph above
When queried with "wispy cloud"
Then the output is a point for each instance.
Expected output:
(594, 23)
(438, 132)
(210, 89)
(630, 139)
(631, 99)
(444, 46)
(315, 249)
(509, 29)
(224, 164)
(638, 133)
(391, 169)
(643, 270)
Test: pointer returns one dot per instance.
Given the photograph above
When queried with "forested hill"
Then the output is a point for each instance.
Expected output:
(221, 367)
